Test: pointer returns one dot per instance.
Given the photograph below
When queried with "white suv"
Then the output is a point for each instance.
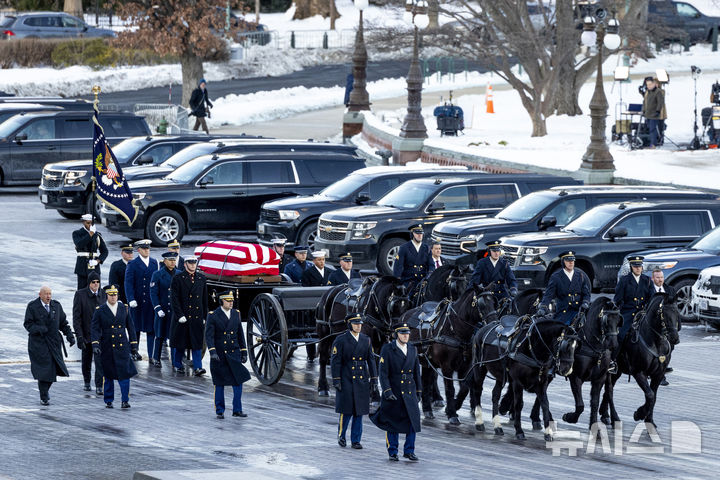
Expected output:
(706, 297)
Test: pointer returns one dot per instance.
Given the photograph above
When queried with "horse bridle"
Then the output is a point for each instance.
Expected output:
(663, 333)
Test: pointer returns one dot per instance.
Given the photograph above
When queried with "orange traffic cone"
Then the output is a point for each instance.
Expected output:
(489, 100)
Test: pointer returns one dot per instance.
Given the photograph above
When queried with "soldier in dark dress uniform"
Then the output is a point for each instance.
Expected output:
(117, 271)
(137, 288)
(494, 272)
(345, 273)
(632, 293)
(174, 247)
(160, 297)
(414, 260)
(401, 386)
(569, 287)
(226, 345)
(279, 247)
(189, 310)
(91, 250)
(295, 269)
(353, 371)
(44, 319)
(317, 275)
(113, 339)
(86, 301)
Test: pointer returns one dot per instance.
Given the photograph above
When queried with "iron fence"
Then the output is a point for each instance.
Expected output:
(154, 114)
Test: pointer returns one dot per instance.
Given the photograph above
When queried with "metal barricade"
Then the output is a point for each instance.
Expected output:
(175, 115)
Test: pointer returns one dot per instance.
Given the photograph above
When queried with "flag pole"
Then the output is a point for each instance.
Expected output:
(96, 91)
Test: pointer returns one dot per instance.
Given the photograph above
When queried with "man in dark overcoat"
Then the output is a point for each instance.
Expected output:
(189, 310)
(569, 287)
(353, 371)
(317, 275)
(414, 260)
(44, 319)
(113, 340)
(160, 284)
(345, 273)
(632, 293)
(86, 301)
(226, 345)
(90, 248)
(137, 288)
(117, 271)
(494, 273)
(399, 370)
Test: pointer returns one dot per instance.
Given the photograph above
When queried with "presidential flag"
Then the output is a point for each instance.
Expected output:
(110, 184)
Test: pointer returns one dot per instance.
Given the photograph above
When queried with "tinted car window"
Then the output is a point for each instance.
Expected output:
(122, 126)
(270, 172)
(685, 10)
(69, 22)
(326, 171)
(566, 212)
(492, 196)
(43, 129)
(230, 173)
(77, 128)
(683, 224)
(454, 198)
(380, 186)
(639, 225)
(159, 153)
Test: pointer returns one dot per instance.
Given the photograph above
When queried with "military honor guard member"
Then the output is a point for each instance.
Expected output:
(226, 345)
(317, 275)
(174, 247)
(345, 273)
(569, 287)
(86, 301)
(399, 372)
(189, 309)
(160, 284)
(295, 269)
(413, 261)
(91, 250)
(632, 293)
(117, 271)
(353, 371)
(113, 340)
(44, 320)
(137, 288)
(279, 247)
(494, 272)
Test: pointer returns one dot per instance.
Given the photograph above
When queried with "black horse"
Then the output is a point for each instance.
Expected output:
(644, 353)
(382, 307)
(447, 281)
(526, 351)
(443, 336)
(597, 337)
(333, 307)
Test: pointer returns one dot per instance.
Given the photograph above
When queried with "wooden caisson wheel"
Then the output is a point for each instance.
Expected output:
(267, 338)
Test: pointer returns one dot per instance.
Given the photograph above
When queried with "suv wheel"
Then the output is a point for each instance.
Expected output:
(165, 226)
(307, 235)
(386, 257)
(683, 294)
(69, 216)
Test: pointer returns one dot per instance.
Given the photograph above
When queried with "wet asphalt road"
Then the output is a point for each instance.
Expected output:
(290, 432)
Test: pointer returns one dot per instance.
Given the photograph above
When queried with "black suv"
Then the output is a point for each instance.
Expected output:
(670, 20)
(223, 193)
(31, 140)
(373, 234)
(604, 235)
(296, 218)
(463, 240)
(65, 186)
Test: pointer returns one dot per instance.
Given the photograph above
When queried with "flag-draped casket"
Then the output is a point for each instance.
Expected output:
(225, 258)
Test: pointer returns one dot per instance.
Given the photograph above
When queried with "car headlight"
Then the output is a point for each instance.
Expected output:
(73, 177)
(469, 241)
(288, 214)
(531, 255)
(361, 229)
(661, 265)
(139, 196)
(534, 250)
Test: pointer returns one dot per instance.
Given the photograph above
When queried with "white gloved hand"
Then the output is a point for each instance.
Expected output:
(92, 263)
(92, 228)
(133, 304)
(161, 314)
(182, 320)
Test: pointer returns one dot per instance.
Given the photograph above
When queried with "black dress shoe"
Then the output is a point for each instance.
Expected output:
(98, 391)
(155, 363)
(664, 382)
(357, 445)
(87, 387)
(393, 458)
(45, 402)
(239, 414)
(108, 405)
(199, 372)
(180, 370)
(342, 442)
(125, 405)
(668, 369)
(411, 456)
(220, 416)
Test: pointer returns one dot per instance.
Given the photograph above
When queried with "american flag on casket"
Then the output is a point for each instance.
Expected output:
(226, 258)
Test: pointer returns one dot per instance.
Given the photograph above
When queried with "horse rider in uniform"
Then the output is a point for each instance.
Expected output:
(494, 273)
(297, 267)
(228, 351)
(414, 260)
(117, 271)
(353, 371)
(401, 386)
(160, 292)
(279, 248)
(345, 273)
(632, 293)
(138, 276)
(113, 340)
(569, 287)
(91, 250)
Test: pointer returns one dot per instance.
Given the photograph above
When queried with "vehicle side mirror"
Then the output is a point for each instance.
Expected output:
(362, 198)
(698, 15)
(207, 181)
(434, 207)
(617, 232)
(145, 160)
(20, 138)
(547, 222)
(85, 28)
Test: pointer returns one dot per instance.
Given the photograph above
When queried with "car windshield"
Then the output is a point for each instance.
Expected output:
(409, 195)
(11, 124)
(127, 148)
(710, 242)
(188, 153)
(343, 188)
(525, 208)
(186, 173)
(590, 222)
(5, 116)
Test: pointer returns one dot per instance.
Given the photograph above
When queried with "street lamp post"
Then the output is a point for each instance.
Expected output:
(416, 13)
(359, 98)
(597, 163)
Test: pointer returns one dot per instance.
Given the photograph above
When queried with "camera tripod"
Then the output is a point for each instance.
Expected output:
(697, 142)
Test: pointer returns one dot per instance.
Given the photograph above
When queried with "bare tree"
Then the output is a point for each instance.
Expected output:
(73, 7)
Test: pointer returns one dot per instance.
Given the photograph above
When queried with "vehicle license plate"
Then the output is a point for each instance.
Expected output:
(703, 305)
(261, 228)
(43, 198)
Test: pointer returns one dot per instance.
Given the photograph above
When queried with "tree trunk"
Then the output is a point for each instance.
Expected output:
(433, 7)
(538, 123)
(308, 8)
(333, 14)
(192, 72)
(73, 7)
(566, 45)
(257, 11)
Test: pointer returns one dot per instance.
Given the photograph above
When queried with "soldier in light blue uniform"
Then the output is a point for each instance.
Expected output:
(414, 260)
(569, 287)
(137, 289)
(160, 298)
(495, 273)
(297, 267)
